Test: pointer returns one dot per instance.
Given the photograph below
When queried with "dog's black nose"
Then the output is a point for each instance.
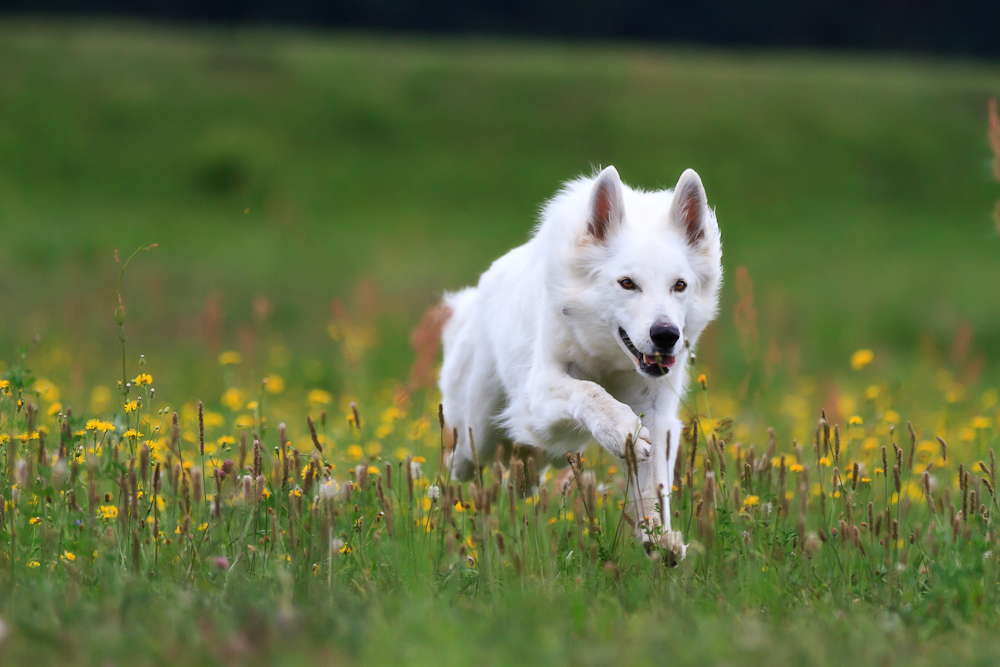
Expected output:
(664, 336)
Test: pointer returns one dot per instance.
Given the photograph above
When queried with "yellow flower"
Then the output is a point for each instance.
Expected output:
(751, 501)
(108, 512)
(131, 433)
(69, 555)
(982, 423)
(826, 461)
(796, 467)
(55, 409)
(142, 380)
(131, 406)
(419, 459)
(230, 358)
(866, 480)
(233, 399)
(244, 421)
(318, 397)
(703, 381)
(35, 520)
(855, 420)
(226, 440)
(355, 452)
(274, 384)
(861, 358)
(372, 470)
(203, 527)
(4, 385)
(252, 405)
(345, 549)
(47, 391)
(4, 438)
(100, 399)
(891, 416)
(34, 563)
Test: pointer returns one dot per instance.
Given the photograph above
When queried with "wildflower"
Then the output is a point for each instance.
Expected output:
(143, 380)
(703, 381)
(796, 467)
(33, 563)
(232, 398)
(274, 384)
(855, 420)
(55, 409)
(69, 556)
(222, 563)
(230, 358)
(433, 491)
(345, 549)
(4, 385)
(34, 520)
(131, 406)
(108, 512)
(891, 416)
(751, 501)
(203, 527)
(861, 358)
(319, 397)
(982, 423)
(131, 433)
(354, 452)
(47, 391)
(826, 461)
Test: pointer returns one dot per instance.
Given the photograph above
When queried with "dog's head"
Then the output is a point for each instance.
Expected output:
(645, 269)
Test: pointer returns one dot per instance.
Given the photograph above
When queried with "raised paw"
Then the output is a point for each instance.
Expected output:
(614, 431)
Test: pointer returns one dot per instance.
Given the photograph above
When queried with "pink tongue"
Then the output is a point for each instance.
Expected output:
(665, 362)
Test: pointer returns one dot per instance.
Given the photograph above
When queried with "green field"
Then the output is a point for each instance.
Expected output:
(312, 194)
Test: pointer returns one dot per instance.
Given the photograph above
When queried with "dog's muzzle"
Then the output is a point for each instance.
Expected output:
(654, 365)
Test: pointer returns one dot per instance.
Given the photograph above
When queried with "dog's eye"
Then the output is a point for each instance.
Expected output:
(680, 286)
(627, 283)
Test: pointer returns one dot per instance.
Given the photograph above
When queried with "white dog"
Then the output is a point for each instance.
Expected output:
(585, 332)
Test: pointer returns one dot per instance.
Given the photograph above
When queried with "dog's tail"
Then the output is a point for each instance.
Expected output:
(426, 342)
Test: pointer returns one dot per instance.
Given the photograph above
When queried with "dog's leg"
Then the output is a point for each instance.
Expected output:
(556, 401)
(650, 504)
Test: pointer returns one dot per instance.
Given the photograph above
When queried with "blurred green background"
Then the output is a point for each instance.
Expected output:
(279, 171)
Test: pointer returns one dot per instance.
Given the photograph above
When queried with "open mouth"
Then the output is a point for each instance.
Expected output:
(650, 364)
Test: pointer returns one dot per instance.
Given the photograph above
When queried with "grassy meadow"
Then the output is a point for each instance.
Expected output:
(228, 452)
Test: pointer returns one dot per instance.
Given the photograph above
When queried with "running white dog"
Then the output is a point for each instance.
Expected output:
(586, 327)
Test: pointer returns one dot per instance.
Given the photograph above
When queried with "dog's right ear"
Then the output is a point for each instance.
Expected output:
(607, 209)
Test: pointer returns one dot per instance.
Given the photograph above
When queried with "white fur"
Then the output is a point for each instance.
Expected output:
(533, 354)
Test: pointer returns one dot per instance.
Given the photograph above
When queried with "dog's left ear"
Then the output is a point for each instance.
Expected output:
(689, 210)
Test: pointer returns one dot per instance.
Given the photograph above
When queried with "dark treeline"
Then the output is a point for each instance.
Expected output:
(964, 27)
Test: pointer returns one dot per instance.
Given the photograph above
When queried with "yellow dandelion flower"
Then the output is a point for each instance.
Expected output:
(354, 452)
(131, 433)
(35, 520)
(861, 358)
(4, 438)
(108, 512)
(47, 391)
(855, 420)
(4, 385)
(319, 397)
(796, 467)
(232, 398)
(275, 384)
(826, 461)
(55, 409)
(203, 527)
(891, 416)
(143, 380)
(751, 501)
(230, 358)
(419, 459)
(131, 406)
(372, 470)
(703, 381)
(982, 423)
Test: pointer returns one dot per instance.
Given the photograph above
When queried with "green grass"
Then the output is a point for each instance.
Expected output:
(282, 171)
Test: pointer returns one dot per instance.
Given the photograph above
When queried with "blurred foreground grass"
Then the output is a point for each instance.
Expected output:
(312, 194)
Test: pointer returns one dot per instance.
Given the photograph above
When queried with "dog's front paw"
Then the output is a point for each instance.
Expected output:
(614, 432)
